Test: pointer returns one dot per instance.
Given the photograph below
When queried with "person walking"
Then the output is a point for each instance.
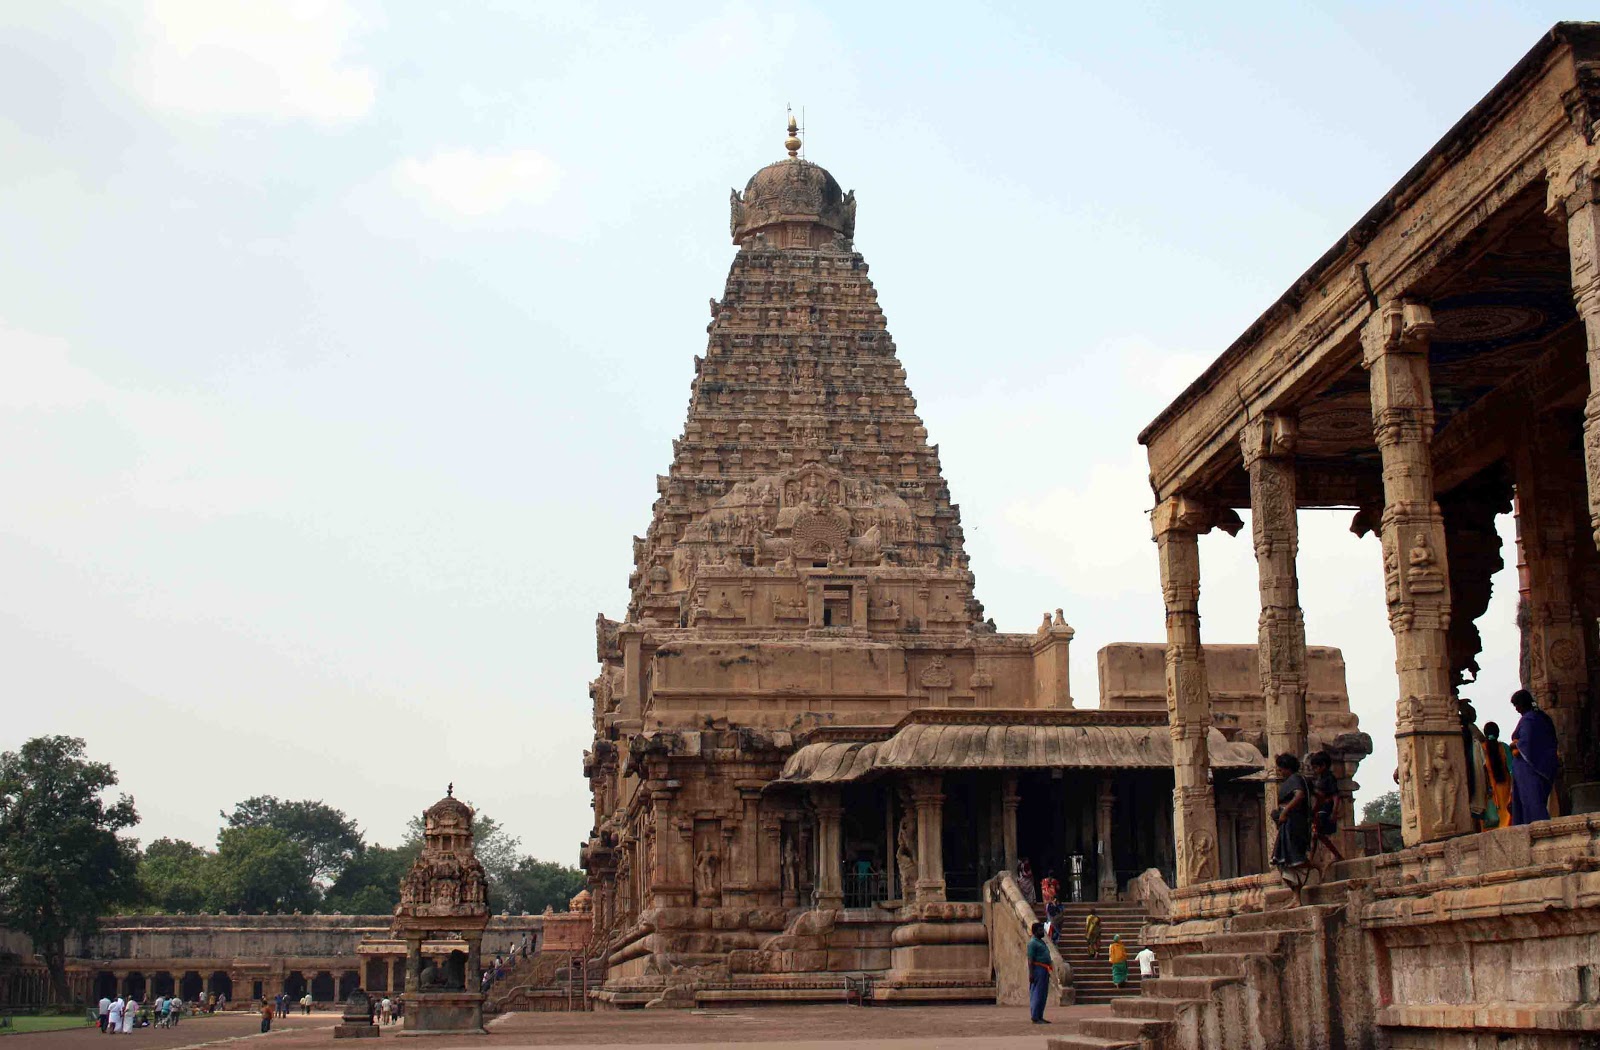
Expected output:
(1039, 968)
(1025, 881)
(1293, 817)
(1472, 747)
(305, 1004)
(114, 1015)
(1147, 962)
(1497, 772)
(1117, 955)
(1325, 795)
(104, 1012)
(1533, 743)
(266, 1015)
(1091, 934)
(130, 1014)
(385, 1011)
(1049, 889)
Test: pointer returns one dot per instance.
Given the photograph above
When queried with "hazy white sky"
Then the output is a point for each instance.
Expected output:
(342, 342)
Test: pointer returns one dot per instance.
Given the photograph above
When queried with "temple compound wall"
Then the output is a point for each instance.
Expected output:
(241, 956)
(813, 754)
(1438, 367)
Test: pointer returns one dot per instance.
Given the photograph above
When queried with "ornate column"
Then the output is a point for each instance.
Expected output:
(1107, 860)
(927, 795)
(1433, 797)
(1550, 510)
(830, 827)
(1268, 447)
(1178, 523)
(1009, 800)
(1577, 196)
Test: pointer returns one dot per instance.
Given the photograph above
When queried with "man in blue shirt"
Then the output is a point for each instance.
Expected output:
(1038, 973)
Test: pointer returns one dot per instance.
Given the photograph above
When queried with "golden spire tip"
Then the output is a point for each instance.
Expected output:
(792, 143)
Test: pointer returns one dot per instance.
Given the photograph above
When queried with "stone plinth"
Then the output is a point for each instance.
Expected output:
(444, 1013)
(356, 1023)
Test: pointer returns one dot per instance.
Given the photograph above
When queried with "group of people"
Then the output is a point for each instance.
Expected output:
(1041, 967)
(122, 1014)
(1511, 783)
(1506, 784)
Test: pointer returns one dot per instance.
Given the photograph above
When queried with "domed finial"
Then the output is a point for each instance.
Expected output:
(792, 143)
(450, 790)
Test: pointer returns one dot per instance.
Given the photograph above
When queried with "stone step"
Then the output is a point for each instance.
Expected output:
(1208, 964)
(1187, 987)
(1077, 1041)
(1127, 1029)
(1265, 943)
(1156, 1009)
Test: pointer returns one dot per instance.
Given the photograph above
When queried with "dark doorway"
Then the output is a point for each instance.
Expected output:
(349, 981)
(191, 987)
(294, 985)
(377, 975)
(105, 985)
(221, 984)
(322, 988)
(162, 984)
(867, 846)
(137, 985)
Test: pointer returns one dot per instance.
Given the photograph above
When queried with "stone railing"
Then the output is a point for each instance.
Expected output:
(1010, 918)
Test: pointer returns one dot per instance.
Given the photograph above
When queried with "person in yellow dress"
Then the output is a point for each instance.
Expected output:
(1118, 954)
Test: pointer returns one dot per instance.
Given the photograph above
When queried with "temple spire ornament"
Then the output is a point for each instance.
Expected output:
(792, 143)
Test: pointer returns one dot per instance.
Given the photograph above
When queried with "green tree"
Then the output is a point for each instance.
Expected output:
(532, 884)
(329, 838)
(173, 875)
(370, 883)
(259, 870)
(61, 862)
(1385, 809)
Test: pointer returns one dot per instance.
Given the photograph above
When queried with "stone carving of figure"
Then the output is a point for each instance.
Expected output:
(1201, 848)
(705, 872)
(1441, 778)
(791, 866)
(432, 978)
(905, 851)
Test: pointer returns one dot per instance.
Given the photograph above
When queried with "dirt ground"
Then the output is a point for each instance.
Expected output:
(773, 1027)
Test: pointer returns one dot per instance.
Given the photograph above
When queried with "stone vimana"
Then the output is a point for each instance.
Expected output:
(813, 754)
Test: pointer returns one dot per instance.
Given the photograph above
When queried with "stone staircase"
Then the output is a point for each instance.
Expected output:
(1209, 995)
(1092, 976)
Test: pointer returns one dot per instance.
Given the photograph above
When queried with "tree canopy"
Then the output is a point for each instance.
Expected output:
(61, 862)
(1385, 809)
(327, 837)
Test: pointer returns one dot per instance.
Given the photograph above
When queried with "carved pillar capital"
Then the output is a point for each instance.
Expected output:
(1272, 434)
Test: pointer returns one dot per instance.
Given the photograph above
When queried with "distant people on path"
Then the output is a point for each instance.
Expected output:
(1039, 968)
(1147, 962)
(1025, 881)
(114, 1015)
(266, 1015)
(1325, 796)
(1497, 774)
(1291, 850)
(1533, 773)
(1091, 934)
(104, 1012)
(386, 1011)
(130, 1014)
(1117, 955)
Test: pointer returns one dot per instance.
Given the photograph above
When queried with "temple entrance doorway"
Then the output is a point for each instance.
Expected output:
(970, 846)
(867, 849)
(322, 989)
(1056, 828)
(192, 987)
(105, 985)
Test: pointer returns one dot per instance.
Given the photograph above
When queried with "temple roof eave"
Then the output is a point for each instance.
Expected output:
(925, 745)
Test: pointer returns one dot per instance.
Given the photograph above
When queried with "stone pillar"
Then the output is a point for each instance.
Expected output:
(1433, 796)
(830, 829)
(1107, 860)
(927, 795)
(1268, 447)
(1178, 524)
(413, 964)
(1472, 548)
(1579, 202)
(1550, 510)
(1009, 800)
(475, 965)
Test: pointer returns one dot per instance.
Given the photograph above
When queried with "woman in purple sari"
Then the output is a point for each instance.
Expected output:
(1534, 771)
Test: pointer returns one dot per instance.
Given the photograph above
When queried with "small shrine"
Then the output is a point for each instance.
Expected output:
(444, 895)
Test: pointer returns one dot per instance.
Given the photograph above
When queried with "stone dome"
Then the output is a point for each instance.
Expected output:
(797, 194)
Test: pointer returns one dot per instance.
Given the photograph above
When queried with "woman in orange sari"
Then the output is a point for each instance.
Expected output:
(1497, 769)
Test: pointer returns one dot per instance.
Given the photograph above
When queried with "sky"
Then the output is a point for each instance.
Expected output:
(343, 341)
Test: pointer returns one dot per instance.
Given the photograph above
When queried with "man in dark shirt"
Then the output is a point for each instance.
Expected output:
(1325, 789)
(1038, 973)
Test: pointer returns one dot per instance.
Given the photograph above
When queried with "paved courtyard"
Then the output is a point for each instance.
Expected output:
(777, 1027)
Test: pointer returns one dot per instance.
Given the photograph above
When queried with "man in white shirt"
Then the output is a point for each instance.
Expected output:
(1147, 962)
(104, 1011)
